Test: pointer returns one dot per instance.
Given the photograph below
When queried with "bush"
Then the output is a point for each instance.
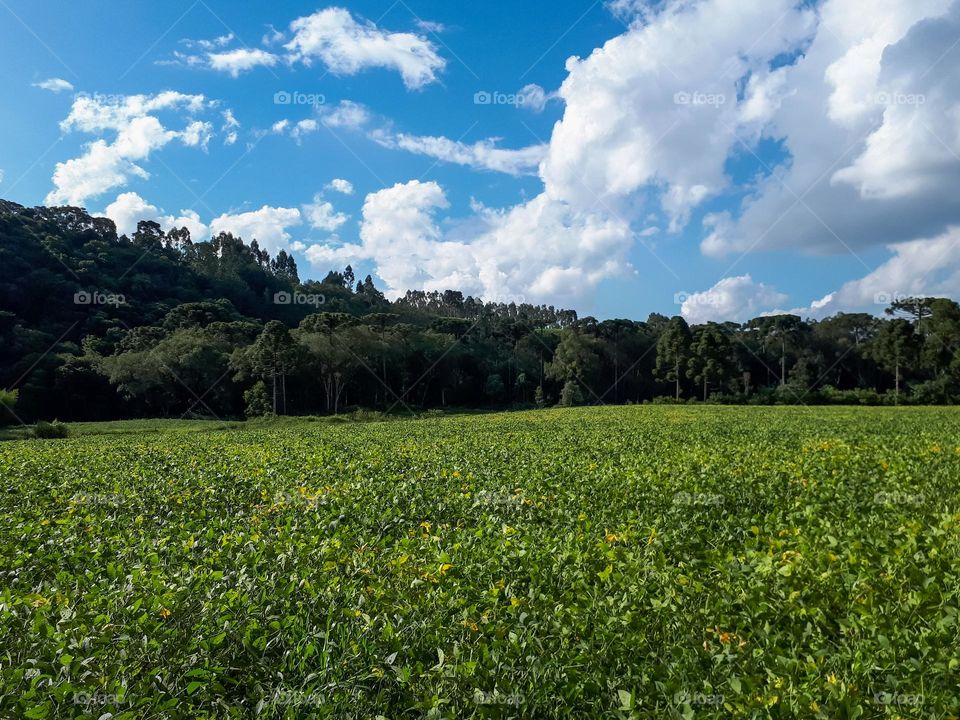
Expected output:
(570, 395)
(258, 401)
(48, 431)
(8, 398)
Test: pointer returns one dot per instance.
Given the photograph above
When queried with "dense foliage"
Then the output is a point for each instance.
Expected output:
(643, 562)
(95, 326)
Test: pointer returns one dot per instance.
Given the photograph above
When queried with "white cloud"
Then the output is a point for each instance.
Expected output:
(655, 109)
(268, 226)
(322, 216)
(623, 138)
(347, 114)
(54, 85)
(346, 46)
(241, 60)
(197, 134)
(229, 127)
(546, 249)
(129, 208)
(272, 36)
(106, 165)
(925, 267)
(732, 298)
(870, 122)
(533, 97)
(217, 42)
(341, 186)
(482, 155)
(304, 127)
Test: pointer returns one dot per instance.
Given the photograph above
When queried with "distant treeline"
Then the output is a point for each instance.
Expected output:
(96, 326)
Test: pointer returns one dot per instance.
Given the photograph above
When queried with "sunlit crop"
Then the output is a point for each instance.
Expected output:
(647, 562)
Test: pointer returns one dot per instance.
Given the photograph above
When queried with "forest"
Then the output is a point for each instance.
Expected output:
(96, 326)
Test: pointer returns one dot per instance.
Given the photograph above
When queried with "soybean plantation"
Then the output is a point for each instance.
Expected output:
(630, 562)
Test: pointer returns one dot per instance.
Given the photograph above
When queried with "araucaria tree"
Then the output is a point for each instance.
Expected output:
(897, 346)
(710, 354)
(673, 351)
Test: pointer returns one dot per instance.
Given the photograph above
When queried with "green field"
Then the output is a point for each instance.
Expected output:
(647, 562)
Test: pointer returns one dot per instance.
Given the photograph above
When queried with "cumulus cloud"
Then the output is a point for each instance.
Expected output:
(870, 123)
(732, 298)
(347, 46)
(626, 135)
(925, 267)
(54, 85)
(509, 249)
(105, 165)
(129, 209)
(341, 186)
(269, 226)
(322, 216)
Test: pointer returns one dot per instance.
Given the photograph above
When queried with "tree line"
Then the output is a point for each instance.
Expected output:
(99, 326)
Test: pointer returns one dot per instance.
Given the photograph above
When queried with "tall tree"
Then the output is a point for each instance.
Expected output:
(673, 351)
(917, 309)
(710, 356)
(895, 347)
(273, 356)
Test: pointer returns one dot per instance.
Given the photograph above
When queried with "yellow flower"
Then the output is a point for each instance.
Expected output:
(832, 679)
(456, 473)
(164, 613)
(445, 568)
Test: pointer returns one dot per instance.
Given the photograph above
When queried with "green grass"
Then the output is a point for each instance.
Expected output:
(648, 562)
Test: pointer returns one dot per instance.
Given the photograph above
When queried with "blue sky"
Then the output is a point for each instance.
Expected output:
(718, 158)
